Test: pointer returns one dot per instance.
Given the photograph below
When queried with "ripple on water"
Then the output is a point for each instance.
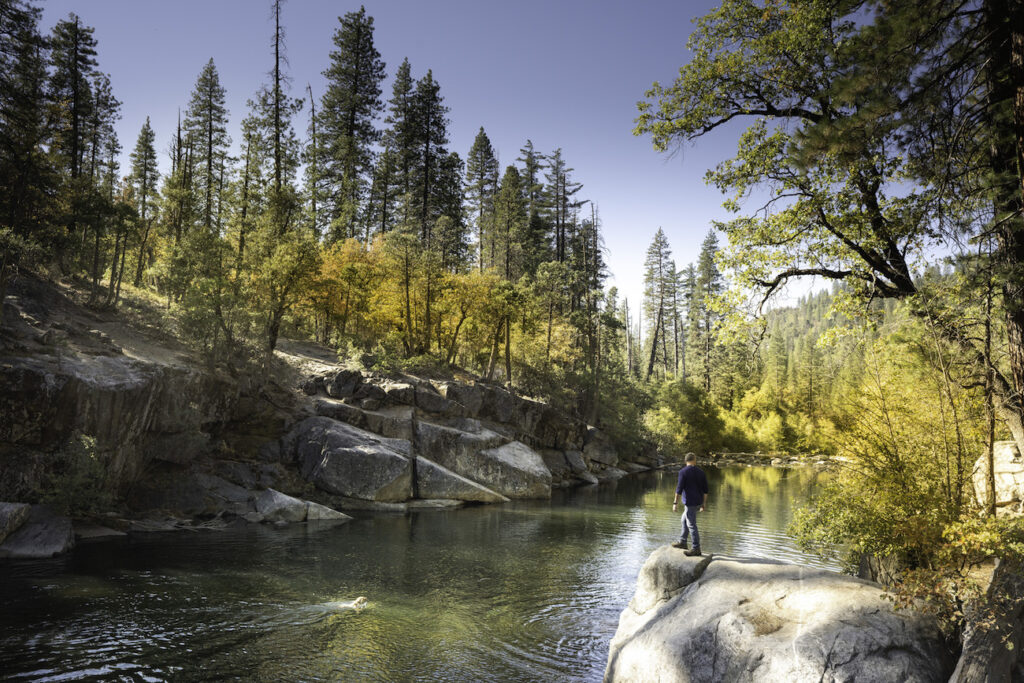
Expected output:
(525, 591)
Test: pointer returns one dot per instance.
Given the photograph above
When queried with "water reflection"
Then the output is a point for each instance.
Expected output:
(522, 591)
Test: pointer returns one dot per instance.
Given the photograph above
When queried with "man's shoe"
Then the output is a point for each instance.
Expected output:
(681, 544)
(693, 553)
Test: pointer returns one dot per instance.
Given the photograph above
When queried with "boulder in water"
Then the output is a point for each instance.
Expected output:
(717, 619)
(514, 470)
(347, 461)
(315, 512)
(12, 516)
(436, 482)
(275, 506)
(43, 534)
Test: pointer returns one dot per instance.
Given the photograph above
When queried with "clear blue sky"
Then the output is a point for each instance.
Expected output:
(564, 73)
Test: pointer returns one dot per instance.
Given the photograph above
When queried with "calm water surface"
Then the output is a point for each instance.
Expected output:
(527, 591)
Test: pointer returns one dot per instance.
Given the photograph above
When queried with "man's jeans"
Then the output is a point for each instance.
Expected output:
(690, 524)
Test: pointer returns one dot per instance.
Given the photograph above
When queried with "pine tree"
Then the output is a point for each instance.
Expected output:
(382, 205)
(73, 53)
(349, 107)
(451, 230)
(144, 178)
(536, 245)
(401, 136)
(283, 255)
(659, 275)
(315, 180)
(559, 201)
(509, 224)
(430, 129)
(206, 126)
(704, 320)
(688, 299)
(481, 185)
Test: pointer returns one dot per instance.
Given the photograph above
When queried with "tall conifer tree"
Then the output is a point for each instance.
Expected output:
(144, 178)
(659, 275)
(206, 123)
(348, 110)
(481, 185)
(430, 137)
(401, 135)
(703, 353)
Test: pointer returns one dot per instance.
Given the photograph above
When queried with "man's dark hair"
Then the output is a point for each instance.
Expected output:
(691, 458)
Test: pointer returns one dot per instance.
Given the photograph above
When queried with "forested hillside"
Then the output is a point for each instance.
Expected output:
(343, 216)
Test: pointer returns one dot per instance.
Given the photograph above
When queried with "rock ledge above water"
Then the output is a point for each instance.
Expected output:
(726, 619)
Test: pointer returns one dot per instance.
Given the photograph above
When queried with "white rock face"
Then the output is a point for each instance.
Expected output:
(274, 506)
(1009, 468)
(514, 470)
(278, 507)
(437, 483)
(714, 619)
(315, 512)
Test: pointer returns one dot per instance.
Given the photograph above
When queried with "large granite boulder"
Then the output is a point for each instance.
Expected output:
(600, 449)
(401, 393)
(275, 506)
(514, 470)
(456, 448)
(347, 461)
(1009, 470)
(12, 516)
(343, 384)
(43, 534)
(561, 473)
(429, 400)
(716, 619)
(435, 482)
(468, 397)
(394, 422)
(497, 404)
(315, 512)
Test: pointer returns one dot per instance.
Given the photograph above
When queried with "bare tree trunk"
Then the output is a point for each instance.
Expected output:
(408, 307)
(120, 271)
(654, 346)
(494, 351)
(547, 349)
(508, 350)
(453, 346)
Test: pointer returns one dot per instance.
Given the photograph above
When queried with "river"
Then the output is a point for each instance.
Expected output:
(525, 591)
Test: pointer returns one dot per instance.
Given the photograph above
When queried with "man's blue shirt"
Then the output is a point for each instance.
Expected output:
(693, 484)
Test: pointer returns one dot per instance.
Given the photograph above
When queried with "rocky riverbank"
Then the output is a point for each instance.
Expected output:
(181, 444)
(732, 619)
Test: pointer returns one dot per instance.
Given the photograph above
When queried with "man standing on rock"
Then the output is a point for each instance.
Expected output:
(693, 485)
